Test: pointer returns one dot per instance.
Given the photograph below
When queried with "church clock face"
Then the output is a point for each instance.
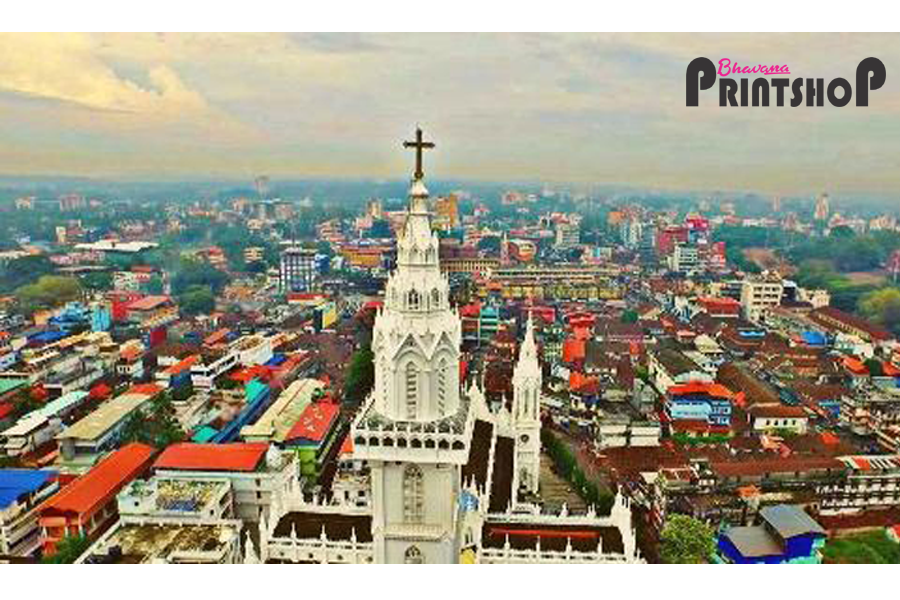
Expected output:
(524, 438)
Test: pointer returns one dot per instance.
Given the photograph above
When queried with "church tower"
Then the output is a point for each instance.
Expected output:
(415, 427)
(526, 413)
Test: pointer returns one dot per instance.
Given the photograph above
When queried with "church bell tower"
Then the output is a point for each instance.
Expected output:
(415, 427)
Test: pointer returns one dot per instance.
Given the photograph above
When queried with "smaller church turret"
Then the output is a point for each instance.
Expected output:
(526, 412)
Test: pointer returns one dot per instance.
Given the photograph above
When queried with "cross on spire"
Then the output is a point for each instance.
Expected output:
(419, 145)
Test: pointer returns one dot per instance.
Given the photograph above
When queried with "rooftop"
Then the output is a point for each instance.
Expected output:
(107, 415)
(15, 483)
(212, 457)
(163, 542)
(285, 412)
(102, 482)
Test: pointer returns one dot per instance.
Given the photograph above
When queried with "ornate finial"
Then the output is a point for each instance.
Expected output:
(419, 144)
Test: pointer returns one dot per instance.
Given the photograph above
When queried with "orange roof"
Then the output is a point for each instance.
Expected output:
(701, 387)
(346, 446)
(855, 366)
(101, 483)
(182, 365)
(148, 303)
(216, 336)
(211, 457)
(573, 350)
(890, 370)
(314, 423)
(148, 389)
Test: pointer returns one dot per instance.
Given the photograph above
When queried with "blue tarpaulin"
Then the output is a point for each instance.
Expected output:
(15, 483)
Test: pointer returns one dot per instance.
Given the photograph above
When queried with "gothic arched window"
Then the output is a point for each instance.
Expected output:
(413, 556)
(413, 494)
(412, 389)
(413, 300)
(435, 298)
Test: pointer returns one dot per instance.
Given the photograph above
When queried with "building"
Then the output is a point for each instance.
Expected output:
(297, 271)
(769, 418)
(257, 472)
(99, 431)
(669, 367)
(87, 506)
(273, 426)
(444, 474)
(786, 534)
(760, 293)
(21, 492)
(869, 483)
(313, 436)
(567, 234)
(40, 425)
(705, 404)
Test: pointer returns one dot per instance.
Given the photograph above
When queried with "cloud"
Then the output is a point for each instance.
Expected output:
(64, 67)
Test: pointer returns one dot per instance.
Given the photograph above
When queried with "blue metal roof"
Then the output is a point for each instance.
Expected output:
(14, 483)
(814, 338)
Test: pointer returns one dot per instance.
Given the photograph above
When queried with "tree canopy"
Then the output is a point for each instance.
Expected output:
(48, 291)
(685, 540)
(882, 307)
(360, 375)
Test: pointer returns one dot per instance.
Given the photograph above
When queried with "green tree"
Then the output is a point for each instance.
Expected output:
(882, 307)
(685, 540)
(360, 375)
(48, 291)
(25, 270)
(99, 281)
(197, 300)
(157, 426)
(68, 550)
(155, 285)
(629, 316)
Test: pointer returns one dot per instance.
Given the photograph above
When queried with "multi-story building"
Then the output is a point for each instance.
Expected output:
(88, 505)
(297, 272)
(21, 492)
(760, 293)
(258, 472)
(870, 482)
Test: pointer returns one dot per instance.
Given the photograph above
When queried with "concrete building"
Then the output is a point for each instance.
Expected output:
(297, 272)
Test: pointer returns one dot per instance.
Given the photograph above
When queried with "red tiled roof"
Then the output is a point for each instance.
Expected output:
(148, 389)
(101, 483)
(700, 387)
(212, 457)
(855, 366)
(314, 423)
(148, 303)
(773, 465)
(216, 336)
(777, 411)
(5, 409)
(182, 365)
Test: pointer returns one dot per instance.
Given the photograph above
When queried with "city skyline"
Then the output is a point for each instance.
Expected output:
(597, 109)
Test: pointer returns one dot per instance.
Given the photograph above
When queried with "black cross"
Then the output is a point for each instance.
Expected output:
(419, 145)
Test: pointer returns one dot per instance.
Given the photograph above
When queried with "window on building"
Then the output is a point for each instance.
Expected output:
(413, 300)
(413, 556)
(413, 495)
(412, 389)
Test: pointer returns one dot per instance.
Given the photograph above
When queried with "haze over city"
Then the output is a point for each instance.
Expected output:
(599, 109)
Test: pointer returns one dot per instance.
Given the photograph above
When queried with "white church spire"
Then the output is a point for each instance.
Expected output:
(417, 336)
(526, 411)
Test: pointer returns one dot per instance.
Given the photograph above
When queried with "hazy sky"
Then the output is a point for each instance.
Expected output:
(584, 108)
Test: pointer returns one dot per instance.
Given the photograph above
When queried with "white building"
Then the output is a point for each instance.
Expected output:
(759, 293)
(448, 478)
